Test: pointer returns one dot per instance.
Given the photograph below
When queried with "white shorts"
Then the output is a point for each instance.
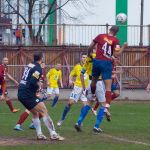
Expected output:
(51, 91)
(76, 94)
(100, 91)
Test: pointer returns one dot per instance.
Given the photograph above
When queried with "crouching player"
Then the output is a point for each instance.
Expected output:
(76, 93)
(27, 96)
(26, 113)
(100, 95)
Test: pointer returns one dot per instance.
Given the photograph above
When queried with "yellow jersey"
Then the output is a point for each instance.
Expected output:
(53, 76)
(87, 67)
(76, 73)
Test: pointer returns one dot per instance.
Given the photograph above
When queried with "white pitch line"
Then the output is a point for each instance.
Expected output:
(126, 140)
(5, 113)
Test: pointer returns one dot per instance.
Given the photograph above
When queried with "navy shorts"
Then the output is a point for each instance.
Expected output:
(114, 87)
(103, 68)
(28, 101)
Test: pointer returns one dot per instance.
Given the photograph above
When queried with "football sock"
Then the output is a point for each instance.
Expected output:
(37, 125)
(55, 99)
(23, 117)
(100, 116)
(66, 110)
(84, 112)
(108, 97)
(40, 116)
(9, 103)
(93, 88)
(49, 124)
(113, 96)
(96, 105)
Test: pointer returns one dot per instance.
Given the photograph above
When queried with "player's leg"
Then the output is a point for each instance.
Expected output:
(74, 97)
(94, 109)
(21, 120)
(49, 92)
(95, 74)
(66, 111)
(9, 104)
(115, 91)
(100, 94)
(55, 99)
(83, 113)
(99, 119)
(107, 78)
(31, 126)
(41, 108)
(85, 109)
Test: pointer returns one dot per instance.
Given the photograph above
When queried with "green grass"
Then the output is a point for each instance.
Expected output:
(128, 130)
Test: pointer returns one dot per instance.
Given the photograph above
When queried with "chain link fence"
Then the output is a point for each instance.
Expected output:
(133, 80)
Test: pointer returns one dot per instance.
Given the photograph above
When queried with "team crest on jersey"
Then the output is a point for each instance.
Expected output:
(36, 74)
(37, 100)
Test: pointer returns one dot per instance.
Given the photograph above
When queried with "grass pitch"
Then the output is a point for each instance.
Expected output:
(128, 130)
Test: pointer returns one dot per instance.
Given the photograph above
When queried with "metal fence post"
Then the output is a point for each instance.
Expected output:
(149, 35)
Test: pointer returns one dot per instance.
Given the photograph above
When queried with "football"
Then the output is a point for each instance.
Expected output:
(122, 18)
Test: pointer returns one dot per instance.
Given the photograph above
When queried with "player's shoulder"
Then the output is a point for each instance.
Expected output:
(31, 65)
(37, 67)
(78, 65)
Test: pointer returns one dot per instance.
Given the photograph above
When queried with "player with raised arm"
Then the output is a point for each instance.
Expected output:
(76, 93)
(3, 89)
(107, 47)
(27, 90)
(53, 76)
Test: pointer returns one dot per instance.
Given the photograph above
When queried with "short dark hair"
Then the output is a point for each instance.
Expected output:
(37, 56)
(114, 29)
(83, 53)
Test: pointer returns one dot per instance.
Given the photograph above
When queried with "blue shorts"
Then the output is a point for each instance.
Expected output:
(103, 68)
(28, 101)
(114, 87)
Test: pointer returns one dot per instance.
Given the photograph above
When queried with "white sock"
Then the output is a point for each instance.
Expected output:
(49, 124)
(37, 125)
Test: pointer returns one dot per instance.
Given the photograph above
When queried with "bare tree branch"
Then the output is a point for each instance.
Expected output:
(16, 11)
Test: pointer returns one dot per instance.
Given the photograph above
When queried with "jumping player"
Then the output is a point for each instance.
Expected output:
(107, 47)
(115, 89)
(3, 90)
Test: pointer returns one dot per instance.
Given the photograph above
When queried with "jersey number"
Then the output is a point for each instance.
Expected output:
(26, 73)
(107, 49)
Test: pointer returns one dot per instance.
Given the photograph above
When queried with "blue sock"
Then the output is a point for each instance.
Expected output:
(84, 112)
(66, 110)
(100, 116)
(55, 99)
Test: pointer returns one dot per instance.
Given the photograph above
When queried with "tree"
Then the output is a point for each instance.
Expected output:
(31, 9)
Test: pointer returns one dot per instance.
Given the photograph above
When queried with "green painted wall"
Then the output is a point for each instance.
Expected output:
(122, 7)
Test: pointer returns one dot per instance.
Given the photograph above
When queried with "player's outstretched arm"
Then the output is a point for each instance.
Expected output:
(12, 79)
(119, 51)
(91, 47)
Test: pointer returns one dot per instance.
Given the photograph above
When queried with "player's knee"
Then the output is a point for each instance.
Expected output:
(70, 102)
